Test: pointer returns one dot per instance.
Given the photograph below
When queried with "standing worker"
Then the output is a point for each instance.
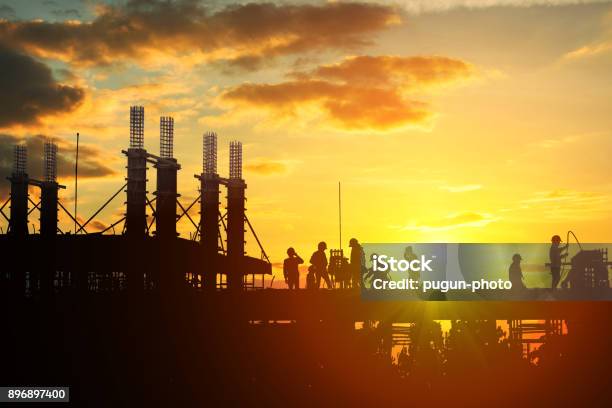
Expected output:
(290, 269)
(556, 254)
(410, 256)
(357, 262)
(516, 273)
(319, 264)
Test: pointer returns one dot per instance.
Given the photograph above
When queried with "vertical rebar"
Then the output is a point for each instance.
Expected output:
(48, 196)
(20, 157)
(166, 137)
(136, 127)
(209, 165)
(50, 161)
(235, 160)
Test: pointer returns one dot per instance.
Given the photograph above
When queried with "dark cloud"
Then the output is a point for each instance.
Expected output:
(30, 91)
(66, 13)
(6, 11)
(240, 34)
(93, 163)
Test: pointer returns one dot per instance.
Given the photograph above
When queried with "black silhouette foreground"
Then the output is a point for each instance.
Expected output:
(146, 318)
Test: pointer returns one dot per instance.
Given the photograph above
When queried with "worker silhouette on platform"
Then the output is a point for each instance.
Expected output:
(410, 256)
(371, 275)
(290, 269)
(556, 254)
(318, 262)
(357, 262)
(515, 273)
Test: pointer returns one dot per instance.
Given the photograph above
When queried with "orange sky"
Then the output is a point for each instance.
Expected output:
(482, 124)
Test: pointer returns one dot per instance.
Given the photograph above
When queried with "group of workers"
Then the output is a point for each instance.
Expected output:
(556, 254)
(319, 267)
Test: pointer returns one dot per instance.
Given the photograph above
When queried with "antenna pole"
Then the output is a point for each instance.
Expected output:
(76, 183)
(340, 214)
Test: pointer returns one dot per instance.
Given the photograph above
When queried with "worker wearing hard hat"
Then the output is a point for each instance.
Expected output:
(515, 273)
(556, 254)
(357, 265)
(291, 269)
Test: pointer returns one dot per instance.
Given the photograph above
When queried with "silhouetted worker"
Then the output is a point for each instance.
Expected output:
(319, 264)
(311, 281)
(371, 275)
(556, 254)
(515, 274)
(357, 262)
(409, 256)
(290, 269)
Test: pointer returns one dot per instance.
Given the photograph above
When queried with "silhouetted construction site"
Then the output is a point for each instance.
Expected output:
(189, 320)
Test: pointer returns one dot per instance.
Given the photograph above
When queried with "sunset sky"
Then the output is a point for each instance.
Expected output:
(445, 121)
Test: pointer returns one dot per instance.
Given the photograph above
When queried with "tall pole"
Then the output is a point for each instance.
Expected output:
(235, 219)
(340, 214)
(76, 184)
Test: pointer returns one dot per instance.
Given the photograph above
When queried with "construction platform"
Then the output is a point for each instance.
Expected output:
(324, 305)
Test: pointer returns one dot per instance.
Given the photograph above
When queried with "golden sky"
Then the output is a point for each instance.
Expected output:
(460, 121)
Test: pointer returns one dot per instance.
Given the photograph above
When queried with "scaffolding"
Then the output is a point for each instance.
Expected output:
(220, 266)
(401, 334)
(527, 335)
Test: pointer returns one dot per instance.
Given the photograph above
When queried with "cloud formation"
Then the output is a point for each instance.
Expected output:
(396, 71)
(590, 50)
(266, 167)
(358, 93)
(6, 11)
(242, 34)
(30, 92)
(464, 219)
